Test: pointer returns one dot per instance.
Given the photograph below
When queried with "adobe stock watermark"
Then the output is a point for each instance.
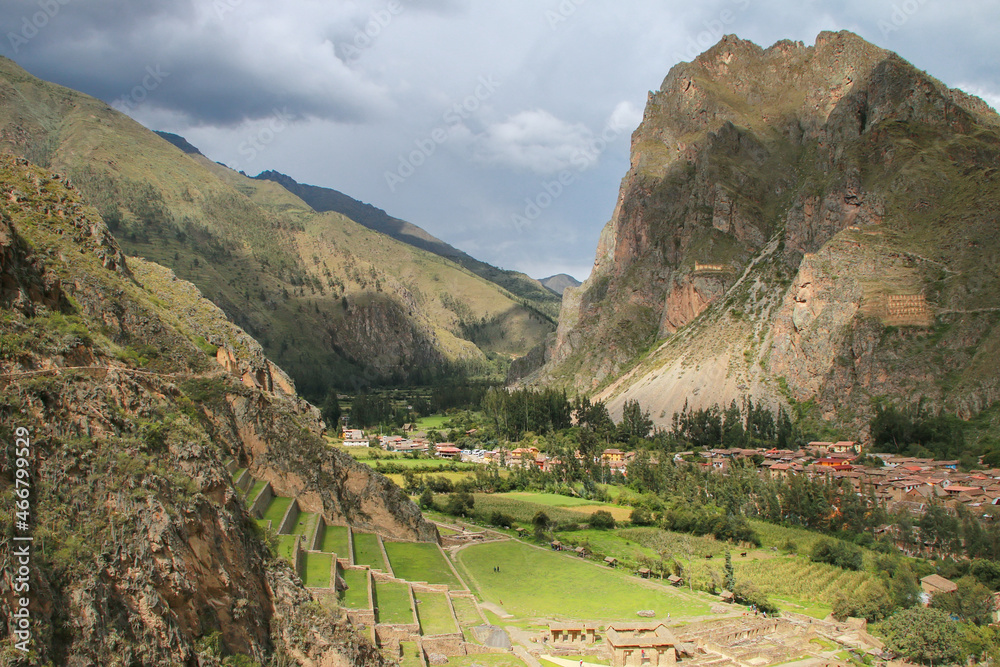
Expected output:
(901, 14)
(715, 29)
(364, 37)
(581, 160)
(562, 13)
(426, 146)
(154, 77)
(256, 142)
(223, 7)
(32, 25)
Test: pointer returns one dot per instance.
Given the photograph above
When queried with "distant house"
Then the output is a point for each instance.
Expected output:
(613, 456)
(644, 572)
(581, 551)
(574, 634)
(844, 447)
(635, 644)
(354, 437)
(556, 545)
(675, 580)
(446, 450)
(611, 561)
(935, 584)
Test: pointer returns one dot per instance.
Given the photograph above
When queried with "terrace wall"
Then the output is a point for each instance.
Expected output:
(261, 502)
(291, 516)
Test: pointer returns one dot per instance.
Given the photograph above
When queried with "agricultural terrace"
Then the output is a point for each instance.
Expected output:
(411, 655)
(334, 540)
(286, 547)
(255, 490)
(468, 616)
(356, 595)
(367, 551)
(535, 582)
(522, 511)
(434, 613)
(305, 523)
(392, 601)
(316, 569)
(275, 512)
(420, 561)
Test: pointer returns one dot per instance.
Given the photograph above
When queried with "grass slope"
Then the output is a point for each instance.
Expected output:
(420, 561)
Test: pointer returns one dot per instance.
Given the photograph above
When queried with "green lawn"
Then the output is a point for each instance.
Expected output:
(286, 546)
(335, 541)
(465, 610)
(305, 524)
(434, 613)
(255, 489)
(356, 595)
(539, 583)
(393, 602)
(316, 569)
(275, 512)
(367, 551)
(430, 422)
(420, 561)
(549, 499)
(434, 464)
(411, 655)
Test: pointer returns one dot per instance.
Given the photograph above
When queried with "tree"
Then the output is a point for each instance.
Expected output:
(331, 411)
(460, 504)
(871, 601)
(635, 422)
(541, 522)
(839, 553)
(730, 572)
(923, 635)
(972, 602)
(602, 520)
(641, 516)
(426, 500)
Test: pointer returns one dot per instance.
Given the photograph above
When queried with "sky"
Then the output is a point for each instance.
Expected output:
(501, 127)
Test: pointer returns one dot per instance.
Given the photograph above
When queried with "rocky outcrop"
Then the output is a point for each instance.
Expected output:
(782, 205)
(137, 393)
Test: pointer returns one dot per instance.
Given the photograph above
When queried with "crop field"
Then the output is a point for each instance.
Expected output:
(536, 582)
(334, 540)
(798, 580)
(522, 511)
(316, 569)
(434, 613)
(356, 595)
(367, 551)
(420, 561)
(393, 602)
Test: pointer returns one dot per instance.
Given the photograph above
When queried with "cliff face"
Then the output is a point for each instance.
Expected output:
(135, 390)
(797, 223)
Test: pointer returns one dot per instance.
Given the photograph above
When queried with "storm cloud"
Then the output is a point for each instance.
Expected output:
(366, 84)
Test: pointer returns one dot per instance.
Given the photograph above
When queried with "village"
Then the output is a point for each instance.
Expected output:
(900, 482)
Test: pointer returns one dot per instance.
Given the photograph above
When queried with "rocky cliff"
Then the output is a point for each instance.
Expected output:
(135, 391)
(800, 224)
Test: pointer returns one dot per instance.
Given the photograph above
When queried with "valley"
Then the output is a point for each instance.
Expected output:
(274, 425)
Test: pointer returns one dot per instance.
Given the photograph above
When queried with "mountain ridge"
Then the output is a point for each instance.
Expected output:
(764, 186)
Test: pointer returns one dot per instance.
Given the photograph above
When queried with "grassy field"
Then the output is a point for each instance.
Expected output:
(275, 512)
(522, 511)
(535, 582)
(393, 602)
(431, 464)
(255, 489)
(804, 586)
(334, 540)
(316, 569)
(434, 613)
(367, 551)
(356, 595)
(305, 524)
(452, 476)
(468, 617)
(420, 561)
(432, 422)
(286, 546)
(410, 655)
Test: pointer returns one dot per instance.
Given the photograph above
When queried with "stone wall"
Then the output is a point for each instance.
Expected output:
(261, 502)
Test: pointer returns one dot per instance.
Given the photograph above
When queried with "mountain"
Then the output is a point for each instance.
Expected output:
(326, 199)
(559, 282)
(809, 226)
(137, 399)
(332, 302)
(180, 142)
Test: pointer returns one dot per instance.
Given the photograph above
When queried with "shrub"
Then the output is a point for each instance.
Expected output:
(923, 635)
(838, 553)
(602, 520)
